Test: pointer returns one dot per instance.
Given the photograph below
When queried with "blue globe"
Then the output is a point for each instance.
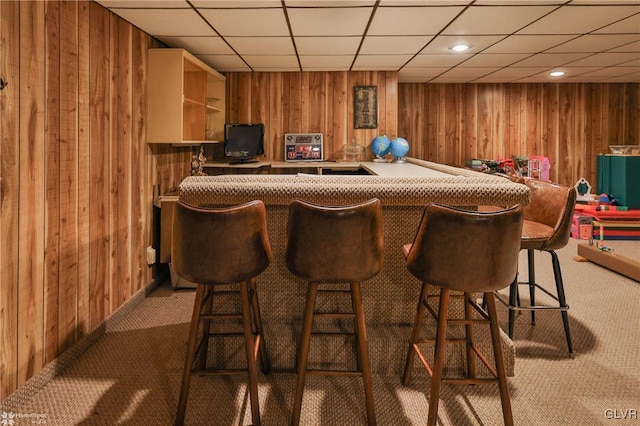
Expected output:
(399, 147)
(380, 146)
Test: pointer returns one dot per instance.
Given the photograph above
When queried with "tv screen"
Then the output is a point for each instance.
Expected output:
(243, 142)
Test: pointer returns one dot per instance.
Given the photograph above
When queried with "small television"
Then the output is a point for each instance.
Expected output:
(243, 142)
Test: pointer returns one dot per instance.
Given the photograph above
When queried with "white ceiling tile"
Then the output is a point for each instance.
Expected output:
(199, 45)
(493, 59)
(329, 33)
(629, 25)
(327, 45)
(594, 43)
(167, 22)
(442, 79)
(235, 3)
(528, 43)
(411, 20)
(272, 61)
(442, 44)
(397, 45)
(225, 62)
(243, 22)
(496, 19)
(335, 22)
(519, 2)
(134, 4)
(338, 62)
(550, 59)
(512, 73)
(426, 72)
(579, 19)
(467, 72)
(635, 62)
(449, 60)
(613, 71)
(604, 59)
(328, 3)
(262, 45)
(380, 62)
(629, 47)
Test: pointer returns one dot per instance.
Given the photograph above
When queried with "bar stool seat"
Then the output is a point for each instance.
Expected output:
(334, 244)
(465, 252)
(214, 247)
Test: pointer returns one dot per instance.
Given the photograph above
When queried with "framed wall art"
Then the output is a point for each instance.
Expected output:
(365, 107)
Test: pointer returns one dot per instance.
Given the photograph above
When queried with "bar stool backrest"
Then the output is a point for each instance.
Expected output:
(466, 250)
(220, 245)
(335, 243)
(552, 205)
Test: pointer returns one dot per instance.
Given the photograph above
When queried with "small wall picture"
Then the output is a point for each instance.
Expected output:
(365, 107)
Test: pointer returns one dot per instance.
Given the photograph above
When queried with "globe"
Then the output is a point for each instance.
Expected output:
(380, 147)
(399, 148)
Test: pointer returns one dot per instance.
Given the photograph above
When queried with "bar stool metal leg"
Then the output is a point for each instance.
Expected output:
(562, 299)
(265, 362)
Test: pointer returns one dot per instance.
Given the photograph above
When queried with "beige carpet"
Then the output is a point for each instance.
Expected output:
(131, 374)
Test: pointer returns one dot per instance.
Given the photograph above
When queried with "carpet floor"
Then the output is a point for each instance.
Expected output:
(130, 374)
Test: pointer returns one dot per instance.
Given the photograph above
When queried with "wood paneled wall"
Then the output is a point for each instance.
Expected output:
(310, 102)
(76, 176)
(570, 123)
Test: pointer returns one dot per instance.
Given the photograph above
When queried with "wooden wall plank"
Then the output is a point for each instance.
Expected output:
(84, 184)
(68, 262)
(52, 180)
(569, 123)
(99, 161)
(311, 102)
(9, 199)
(31, 227)
(122, 164)
(72, 147)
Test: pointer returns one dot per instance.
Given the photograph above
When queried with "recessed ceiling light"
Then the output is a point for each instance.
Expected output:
(461, 47)
(556, 73)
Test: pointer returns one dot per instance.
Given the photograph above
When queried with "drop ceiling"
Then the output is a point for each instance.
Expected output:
(517, 41)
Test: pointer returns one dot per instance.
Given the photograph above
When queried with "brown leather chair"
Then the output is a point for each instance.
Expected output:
(546, 227)
(339, 244)
(217, 246)
(457, 250)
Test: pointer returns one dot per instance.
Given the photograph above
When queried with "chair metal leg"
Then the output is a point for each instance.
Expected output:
(532, 282)
(557, 273)
(191, 349)
(363, 352)
(265, 362)
(499, 360)
(438, 358)
(303, 353)
(415, 335)
(252, 368)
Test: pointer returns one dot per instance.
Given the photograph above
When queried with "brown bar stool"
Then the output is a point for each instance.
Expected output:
(340, 244)
(218, 246)
(468, 252)
(546, 227)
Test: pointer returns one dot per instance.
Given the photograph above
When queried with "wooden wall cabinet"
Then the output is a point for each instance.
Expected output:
(185, 99)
